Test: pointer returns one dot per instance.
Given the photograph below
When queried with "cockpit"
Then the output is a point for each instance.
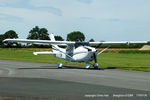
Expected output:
(77, 44)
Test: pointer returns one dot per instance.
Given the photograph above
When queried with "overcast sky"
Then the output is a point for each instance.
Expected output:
(109, 20)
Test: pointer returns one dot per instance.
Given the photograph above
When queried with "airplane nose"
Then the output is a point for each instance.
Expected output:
(94, 50)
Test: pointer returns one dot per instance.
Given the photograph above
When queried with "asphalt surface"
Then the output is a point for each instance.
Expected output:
(39, 80)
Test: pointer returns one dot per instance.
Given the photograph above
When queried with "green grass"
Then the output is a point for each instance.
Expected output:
(135, 51)
(129, 61)
(138, 62)
(26, 54)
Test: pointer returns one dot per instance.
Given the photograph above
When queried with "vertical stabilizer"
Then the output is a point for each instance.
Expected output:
(52, 37)
(54, 46)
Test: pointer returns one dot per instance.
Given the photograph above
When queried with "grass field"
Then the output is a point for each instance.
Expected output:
(129, 61)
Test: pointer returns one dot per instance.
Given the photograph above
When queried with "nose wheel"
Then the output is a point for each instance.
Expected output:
(95, 65)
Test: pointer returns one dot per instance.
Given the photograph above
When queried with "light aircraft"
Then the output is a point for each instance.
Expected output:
(74, 52)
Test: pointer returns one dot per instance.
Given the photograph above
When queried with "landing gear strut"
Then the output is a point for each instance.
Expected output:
(60, 65)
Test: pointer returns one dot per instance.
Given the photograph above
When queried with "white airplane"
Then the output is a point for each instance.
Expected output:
(74, 52)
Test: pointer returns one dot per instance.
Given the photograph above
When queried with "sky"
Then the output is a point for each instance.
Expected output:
(108, 20)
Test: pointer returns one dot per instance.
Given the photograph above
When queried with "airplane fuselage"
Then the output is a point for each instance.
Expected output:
(79, 54)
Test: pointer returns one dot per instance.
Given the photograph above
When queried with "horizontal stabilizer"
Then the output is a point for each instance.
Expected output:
(45, 52)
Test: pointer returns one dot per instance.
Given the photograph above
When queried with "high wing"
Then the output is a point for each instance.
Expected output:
(39, 41)
(46, 42)
(119, 42)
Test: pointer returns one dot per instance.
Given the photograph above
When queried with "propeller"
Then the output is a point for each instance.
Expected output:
(95, 65)
(95, 58)
(94, 54)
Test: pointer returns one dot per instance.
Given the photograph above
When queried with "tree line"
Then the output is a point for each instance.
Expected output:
(37, 33)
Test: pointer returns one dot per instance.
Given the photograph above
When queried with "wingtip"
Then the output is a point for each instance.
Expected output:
(5, 40)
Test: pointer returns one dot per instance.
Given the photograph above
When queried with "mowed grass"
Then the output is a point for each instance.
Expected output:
(138, 62)
(129, 61)
(26, 54)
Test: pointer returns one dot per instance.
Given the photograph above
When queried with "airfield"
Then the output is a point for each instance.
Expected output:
(41, 80)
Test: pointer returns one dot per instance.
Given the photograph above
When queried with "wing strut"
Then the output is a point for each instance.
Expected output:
(104, 49)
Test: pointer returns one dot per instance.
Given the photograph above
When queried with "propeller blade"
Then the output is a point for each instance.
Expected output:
(95, 58)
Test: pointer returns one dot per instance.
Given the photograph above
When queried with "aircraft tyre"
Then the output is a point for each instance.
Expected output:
(87, 66)
(95, 65)
(59, 65)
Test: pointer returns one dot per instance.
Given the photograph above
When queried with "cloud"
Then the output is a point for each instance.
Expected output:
(45, 6)
(85, 1)
(87, 18)
(10, 18)
(15, 3)
(52, 10)
(26, 4)
(113, 19)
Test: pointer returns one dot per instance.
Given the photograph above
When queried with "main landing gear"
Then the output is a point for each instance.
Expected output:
(87, 66)
(59, 65)
(95, 66)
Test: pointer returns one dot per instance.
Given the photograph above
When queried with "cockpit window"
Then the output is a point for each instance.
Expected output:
(77, 44)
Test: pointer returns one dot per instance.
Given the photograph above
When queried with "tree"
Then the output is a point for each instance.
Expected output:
(10, 34)
(43, 34)
(91, 40)
(59, 38)
(1, 39)
(33, 34)
(38, 34)
(75, 36)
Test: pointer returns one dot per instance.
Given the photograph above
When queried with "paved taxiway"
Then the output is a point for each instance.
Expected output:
(45, 80)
